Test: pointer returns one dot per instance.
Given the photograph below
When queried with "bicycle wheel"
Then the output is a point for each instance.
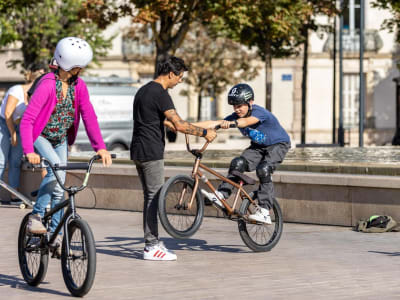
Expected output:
(260, 237)
(79, 265)
(33, 257)
(177, 218)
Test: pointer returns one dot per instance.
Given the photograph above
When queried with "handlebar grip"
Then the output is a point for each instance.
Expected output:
(230, 126)
(72, 166)
(113, 155)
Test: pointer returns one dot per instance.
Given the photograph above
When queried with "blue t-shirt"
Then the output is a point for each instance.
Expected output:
(266, 132)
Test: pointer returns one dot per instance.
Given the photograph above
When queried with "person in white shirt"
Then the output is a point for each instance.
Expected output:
(12, 108)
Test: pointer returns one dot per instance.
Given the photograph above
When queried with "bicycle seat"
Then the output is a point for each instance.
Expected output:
(246, 179)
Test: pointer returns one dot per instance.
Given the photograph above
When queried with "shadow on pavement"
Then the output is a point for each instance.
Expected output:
(18, 283)
(386, 253)
(133, 247)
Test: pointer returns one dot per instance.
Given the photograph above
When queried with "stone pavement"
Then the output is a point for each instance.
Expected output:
(310, 262)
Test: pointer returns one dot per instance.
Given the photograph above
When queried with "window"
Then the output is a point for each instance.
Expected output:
(351, 16)
(351, 100)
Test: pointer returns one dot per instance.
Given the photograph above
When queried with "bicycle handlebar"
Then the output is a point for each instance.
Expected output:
(197, 152)
(44, 162)
(230, 126)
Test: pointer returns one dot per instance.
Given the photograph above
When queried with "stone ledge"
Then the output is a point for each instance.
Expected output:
(317, 198)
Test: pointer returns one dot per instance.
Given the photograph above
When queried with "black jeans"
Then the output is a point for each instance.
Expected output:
(254, 155)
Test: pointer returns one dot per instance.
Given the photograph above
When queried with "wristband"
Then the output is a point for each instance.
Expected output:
(204, 133)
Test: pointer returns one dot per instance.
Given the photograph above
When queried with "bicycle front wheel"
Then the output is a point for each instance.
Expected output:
(79, 265)
(180, 218)
(33, 257)
(257, 236)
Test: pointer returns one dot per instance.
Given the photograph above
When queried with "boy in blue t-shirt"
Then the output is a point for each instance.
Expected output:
(269, 145)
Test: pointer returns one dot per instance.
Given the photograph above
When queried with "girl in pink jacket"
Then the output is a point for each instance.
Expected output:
(50, 123)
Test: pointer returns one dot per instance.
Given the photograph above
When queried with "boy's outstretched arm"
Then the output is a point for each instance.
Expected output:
(245, 122)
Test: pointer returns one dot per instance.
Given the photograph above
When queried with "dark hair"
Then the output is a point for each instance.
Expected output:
(36, 66)
(171, 64)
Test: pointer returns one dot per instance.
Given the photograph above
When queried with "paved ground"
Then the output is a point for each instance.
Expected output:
(318, 262)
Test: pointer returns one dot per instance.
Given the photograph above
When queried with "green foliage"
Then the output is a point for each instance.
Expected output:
(215, 63)
(394, 7)
(38, 29)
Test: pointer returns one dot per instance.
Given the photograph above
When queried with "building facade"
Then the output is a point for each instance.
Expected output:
(133, 59)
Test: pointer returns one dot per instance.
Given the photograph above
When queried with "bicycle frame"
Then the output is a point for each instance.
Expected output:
(70, 213)
(197, 175)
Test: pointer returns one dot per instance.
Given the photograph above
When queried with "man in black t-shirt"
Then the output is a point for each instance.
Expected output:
(153, 109)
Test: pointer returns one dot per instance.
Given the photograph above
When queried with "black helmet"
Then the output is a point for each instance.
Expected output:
(240, 94)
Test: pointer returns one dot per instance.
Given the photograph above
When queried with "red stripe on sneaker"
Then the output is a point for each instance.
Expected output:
(161, 253)
(155, 254)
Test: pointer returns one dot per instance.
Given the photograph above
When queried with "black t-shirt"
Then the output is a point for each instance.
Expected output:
(148, 138)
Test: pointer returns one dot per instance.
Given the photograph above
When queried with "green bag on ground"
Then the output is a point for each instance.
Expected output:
(376, 224)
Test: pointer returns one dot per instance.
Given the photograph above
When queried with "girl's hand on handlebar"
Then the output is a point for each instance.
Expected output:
(211, 135)
(105, 157)
(33, 158)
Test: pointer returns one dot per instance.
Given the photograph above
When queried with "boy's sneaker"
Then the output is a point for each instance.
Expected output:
(158, 252)
(261, 215)
(35, 225)
(212, 198)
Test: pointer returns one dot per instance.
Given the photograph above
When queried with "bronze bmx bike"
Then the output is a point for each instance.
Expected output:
(181, 206)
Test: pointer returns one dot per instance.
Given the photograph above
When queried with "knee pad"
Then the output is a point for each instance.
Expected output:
(238, 164)
(264, 172)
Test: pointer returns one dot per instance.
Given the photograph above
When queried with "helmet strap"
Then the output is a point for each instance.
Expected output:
(249, 111)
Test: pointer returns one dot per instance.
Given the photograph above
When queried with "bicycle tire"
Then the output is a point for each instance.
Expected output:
(172, 215)
(261, 237)
(83, 250)
(33, 270)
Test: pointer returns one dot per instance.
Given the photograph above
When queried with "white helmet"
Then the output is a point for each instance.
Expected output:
(72, 52)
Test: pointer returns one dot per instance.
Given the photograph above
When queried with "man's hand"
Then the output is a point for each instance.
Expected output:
(105, 157)
(33, 158)
(170, 125)
(211, 135)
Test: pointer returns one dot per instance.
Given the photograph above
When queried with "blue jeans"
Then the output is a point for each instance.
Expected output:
(10, 154)
(49, 188)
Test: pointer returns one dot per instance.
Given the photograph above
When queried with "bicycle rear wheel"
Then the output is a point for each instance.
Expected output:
(177, 218)
(33, 257)
(79, 265)
(260, 237)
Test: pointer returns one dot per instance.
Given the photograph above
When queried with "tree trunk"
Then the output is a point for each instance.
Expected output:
(304, 89)
(199, 106)
(161, 54)
(268, 78)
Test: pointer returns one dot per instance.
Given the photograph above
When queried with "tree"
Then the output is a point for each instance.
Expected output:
(319, 7)
(272, 26)
(38, 28)
(394, 7)
(215, 62)
(169, 20)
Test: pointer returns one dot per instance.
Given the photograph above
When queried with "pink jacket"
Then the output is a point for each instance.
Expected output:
(42, 105)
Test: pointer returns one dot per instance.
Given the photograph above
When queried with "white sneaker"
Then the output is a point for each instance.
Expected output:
(211, 196)
(158, 252)
(261, 215)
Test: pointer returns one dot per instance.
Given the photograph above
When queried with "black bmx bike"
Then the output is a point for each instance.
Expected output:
(78, 252)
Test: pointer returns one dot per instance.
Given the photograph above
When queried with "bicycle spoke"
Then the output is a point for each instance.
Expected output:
(178, 212)
(77, 260)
